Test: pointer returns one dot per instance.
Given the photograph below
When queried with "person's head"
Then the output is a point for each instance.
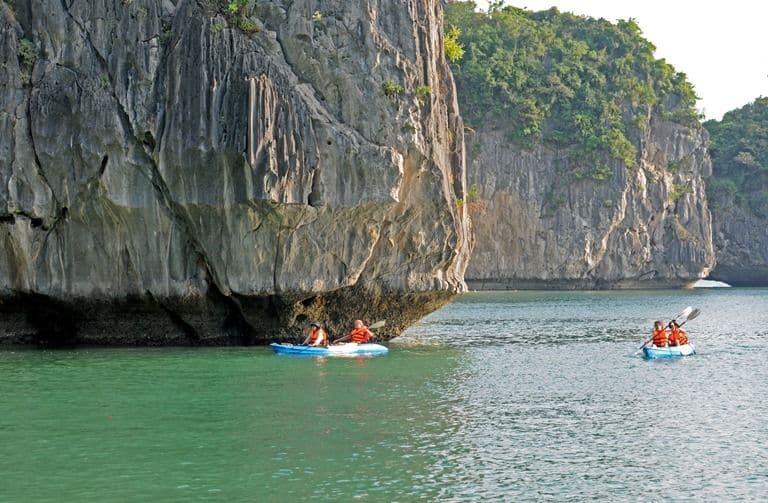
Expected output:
(673, 324)
(658, 325)
(315, 324)
(358, 323)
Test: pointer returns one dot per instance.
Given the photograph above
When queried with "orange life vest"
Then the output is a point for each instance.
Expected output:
(660, 338)
(678, 337)
(315, 334)
(359, 335)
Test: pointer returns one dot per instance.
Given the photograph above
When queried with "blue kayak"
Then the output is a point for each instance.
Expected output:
(349, 349)
(669, 351)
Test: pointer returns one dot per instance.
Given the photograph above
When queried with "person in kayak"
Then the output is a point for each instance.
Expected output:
(360, 334)
(659, 334)
(677, 336)
(317, 336)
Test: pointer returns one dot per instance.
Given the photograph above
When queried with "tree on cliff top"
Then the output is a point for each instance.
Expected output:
(739, 151)
(571, 82)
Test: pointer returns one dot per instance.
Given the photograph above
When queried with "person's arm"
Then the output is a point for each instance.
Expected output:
(306, 341)
(342, 339)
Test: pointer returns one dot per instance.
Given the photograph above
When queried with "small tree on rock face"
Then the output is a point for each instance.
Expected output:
(27, 53)
(392, 89)
(472, 201)
(454, 51)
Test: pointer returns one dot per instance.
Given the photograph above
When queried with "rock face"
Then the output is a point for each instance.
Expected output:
(175, 172)
(741, 245)
(647, 226)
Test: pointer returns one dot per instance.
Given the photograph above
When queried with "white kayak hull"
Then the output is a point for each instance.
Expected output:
(349, 349)
(669, 352)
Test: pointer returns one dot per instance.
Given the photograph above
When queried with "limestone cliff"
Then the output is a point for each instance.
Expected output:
(741, 245)
(647, 226)
(214, 172)
(738, 192)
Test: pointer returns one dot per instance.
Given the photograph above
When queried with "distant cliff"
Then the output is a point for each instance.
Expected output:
(738, 192)
(212, 172)
(585, 153)
(644, 227)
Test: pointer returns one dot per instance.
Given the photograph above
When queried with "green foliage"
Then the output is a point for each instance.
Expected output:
(166, 36)
(317, 16)
(553, 200)
(392, 89)
(581, 85)
(235, 6)
(454, 51)
(472, 201)
(238, 13)
(247, 25)
(739, 151)
(678, 190)
(27, 53)
(422, 92)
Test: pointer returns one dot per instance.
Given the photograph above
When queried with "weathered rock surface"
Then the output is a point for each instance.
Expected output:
(647, 226)
(170, 178)
(741, 245)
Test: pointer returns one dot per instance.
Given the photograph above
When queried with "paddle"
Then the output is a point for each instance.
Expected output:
(378, 324)
(692, 315)
(685, 313)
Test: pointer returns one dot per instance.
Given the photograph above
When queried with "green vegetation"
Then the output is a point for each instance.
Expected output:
(678, 190)
(454, 51)
(27, 53)
(422, 92)
(239, 13)
(739, 150)
(392, 89)
(166, 35)
(574, 83)
(472, 201)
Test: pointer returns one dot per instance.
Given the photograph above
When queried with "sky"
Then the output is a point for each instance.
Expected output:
(721, 46)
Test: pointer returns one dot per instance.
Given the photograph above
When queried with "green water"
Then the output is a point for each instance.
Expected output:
(525, 396)
(243, 425)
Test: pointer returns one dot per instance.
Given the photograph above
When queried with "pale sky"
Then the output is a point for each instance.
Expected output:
(721, 46)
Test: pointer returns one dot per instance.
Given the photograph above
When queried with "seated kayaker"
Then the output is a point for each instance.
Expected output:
(677, 336)
(359, 334)
(659, 334)
(317, 336)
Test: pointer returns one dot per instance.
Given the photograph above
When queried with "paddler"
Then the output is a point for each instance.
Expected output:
(659, 334)
(360, 334)
(317, 336)
(677, 336)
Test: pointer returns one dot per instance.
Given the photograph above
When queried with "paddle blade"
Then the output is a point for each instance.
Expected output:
(696, 312)
(379, 324)
(683, 315)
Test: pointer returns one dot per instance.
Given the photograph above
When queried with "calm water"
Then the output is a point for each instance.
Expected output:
(500, 396)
